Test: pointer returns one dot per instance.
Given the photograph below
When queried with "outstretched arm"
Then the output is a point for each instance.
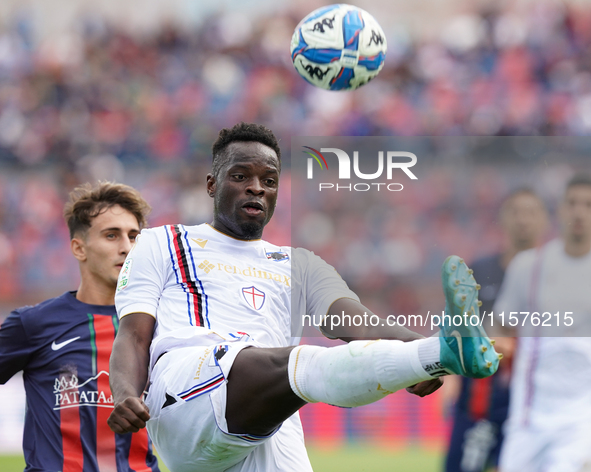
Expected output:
(346, 309)
(129, 372)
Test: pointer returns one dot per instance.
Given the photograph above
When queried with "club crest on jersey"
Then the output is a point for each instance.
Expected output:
(277, 256)
(254, 297)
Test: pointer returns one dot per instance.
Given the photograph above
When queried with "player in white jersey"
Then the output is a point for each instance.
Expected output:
(211, 315)
(549, 423)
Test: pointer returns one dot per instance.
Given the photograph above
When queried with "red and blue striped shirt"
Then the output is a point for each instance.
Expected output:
(63, 347)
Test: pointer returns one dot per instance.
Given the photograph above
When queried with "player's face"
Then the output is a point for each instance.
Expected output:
(575, 213)
(245, 190)
(106, 245)
(524, 220)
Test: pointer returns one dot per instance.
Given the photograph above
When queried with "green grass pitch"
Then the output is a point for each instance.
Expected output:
(352, 458)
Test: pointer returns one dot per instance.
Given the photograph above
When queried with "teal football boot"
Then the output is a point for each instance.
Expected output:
(465, 348)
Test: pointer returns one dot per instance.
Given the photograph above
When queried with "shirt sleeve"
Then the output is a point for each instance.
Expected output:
(142, 278)
(321, 285)
(15, 349)
(514, 292)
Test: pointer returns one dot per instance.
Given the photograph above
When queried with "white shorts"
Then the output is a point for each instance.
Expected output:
(187, 402)
(558, 448)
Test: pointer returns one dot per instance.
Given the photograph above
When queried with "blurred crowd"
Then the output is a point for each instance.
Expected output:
(145, 109)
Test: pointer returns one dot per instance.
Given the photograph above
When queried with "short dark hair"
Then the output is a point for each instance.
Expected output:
(87, 202)
(521, 191)
(580, 178)
(517, 193)
(242, 132)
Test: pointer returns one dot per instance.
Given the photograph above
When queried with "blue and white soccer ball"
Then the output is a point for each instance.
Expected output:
(338, 47)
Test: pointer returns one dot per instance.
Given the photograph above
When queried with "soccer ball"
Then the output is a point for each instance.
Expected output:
(338, 47)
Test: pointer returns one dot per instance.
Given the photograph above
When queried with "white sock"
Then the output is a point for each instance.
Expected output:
(429, 355)
(357, 373)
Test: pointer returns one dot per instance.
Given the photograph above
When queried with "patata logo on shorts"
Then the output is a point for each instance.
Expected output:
(254, 297)
(394, 160)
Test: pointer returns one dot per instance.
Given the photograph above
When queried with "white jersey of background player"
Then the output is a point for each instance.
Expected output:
(549, 423)
(208, 311)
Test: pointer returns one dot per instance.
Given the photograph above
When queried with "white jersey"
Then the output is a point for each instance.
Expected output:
(551, 381)
(201, 284)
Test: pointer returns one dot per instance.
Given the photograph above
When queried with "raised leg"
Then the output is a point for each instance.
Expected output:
(259, 395)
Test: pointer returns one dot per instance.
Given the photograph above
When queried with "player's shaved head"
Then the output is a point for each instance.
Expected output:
(242, 132)
(521, 194)
(87, 202)
(522, 191)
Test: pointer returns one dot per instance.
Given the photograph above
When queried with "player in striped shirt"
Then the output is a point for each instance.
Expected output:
(210, 313)
(63, 345)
